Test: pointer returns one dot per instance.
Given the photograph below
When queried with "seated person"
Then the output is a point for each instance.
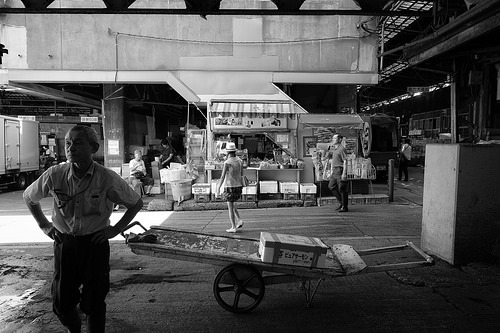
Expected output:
(138, 171)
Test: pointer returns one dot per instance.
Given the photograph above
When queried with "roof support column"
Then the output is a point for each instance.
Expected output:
(453, 102)
(113, 124)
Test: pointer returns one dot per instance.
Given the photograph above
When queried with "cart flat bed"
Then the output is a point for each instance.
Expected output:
(242, 262)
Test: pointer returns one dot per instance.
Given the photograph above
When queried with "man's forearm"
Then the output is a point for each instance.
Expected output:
(36, 210)
(45, 225)
(128, 216)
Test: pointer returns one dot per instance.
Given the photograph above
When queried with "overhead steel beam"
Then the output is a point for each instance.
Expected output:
(469, 34)
(220, 12)
(46, 92)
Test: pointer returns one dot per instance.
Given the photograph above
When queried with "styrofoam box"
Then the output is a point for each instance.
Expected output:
(250, 189)
(201, 188)
(268, 186)
(308, 188)
(289, 187)
(292, 250)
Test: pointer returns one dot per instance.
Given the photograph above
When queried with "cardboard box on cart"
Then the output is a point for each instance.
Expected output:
(292, 250)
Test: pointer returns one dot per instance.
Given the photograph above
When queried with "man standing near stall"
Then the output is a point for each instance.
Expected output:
(404, 159)
(338, 179)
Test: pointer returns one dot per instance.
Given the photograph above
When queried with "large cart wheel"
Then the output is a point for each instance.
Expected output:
(239, 288)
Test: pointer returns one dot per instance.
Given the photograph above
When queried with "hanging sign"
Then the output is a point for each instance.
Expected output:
(114, 147)
(233, 123)
(89, 119)
(417, 89)
(27, 117)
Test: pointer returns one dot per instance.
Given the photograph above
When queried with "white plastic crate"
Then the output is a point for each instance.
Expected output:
(308, 188)
(201, 188)
(268, 186)
(289, 187)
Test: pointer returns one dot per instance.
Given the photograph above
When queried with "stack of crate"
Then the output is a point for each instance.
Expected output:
(308, 191)
(249, 192)
(201, 192)
(195, 152)
(290, 190)
(155, 173)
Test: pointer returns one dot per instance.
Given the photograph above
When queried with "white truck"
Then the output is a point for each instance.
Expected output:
(19, 152)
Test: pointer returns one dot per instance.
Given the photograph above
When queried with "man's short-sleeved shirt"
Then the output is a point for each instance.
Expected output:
(339, 155)
(81, 206)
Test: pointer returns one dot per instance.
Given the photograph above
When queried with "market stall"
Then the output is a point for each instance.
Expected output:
(315, 132)
(265, 134)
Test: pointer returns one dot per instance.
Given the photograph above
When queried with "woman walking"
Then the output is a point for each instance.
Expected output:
(232, 172)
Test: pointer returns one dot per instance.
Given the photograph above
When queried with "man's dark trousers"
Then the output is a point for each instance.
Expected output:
(339, 186)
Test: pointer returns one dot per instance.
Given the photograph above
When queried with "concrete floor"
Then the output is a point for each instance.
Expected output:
(151, 294)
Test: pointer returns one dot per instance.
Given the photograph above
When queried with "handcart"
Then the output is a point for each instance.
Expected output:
(240, 284)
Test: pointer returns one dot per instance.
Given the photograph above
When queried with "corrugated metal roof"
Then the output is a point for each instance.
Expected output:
(391, 26)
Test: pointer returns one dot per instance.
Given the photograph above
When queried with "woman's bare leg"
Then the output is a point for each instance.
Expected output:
(238, 220)
(231, 208)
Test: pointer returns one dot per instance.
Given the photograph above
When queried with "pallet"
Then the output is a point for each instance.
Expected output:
(270, 196)
(202, 197)
(290, 196)
(249, 197)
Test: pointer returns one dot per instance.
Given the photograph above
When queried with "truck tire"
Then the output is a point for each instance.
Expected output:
(22, 181)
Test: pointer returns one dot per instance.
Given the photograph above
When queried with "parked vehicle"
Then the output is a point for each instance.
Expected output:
(19, 152)
(380, 140)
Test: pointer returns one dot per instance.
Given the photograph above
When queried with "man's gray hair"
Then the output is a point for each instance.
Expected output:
(89, 131)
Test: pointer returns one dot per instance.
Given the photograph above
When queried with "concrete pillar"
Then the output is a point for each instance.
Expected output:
(113, 126)
(460, 209)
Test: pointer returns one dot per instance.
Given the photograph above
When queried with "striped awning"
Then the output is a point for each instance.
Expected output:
(265, 108)
(338, 120)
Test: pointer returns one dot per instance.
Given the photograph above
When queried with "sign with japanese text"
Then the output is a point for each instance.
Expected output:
(257, 123)
(114, 147)
(89, 119)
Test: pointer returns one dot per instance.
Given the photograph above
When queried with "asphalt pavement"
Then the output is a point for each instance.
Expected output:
(150, 294)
